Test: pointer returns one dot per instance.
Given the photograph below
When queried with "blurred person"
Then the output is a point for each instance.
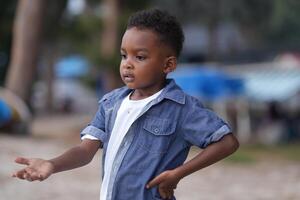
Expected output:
(5, 114)
(147, 127)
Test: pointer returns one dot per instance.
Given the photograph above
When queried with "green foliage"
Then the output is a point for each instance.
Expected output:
(53, 16)
(133, 5)
(82, 34)
(284, 25)
(7, 12)
(274, 23)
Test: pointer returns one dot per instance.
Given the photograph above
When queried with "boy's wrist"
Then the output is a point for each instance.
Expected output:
(179, 172)
(53, 166)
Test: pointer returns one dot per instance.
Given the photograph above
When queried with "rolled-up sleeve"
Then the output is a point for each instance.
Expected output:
(202, 126)
(97, 126)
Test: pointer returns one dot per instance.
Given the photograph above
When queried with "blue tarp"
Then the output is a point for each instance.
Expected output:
(207, 84)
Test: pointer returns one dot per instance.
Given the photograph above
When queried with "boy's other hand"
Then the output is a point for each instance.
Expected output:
(166, 182)
(37, 169)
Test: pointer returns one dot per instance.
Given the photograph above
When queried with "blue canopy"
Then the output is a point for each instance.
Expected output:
(207, 84)
(272, 84)
(71, 67)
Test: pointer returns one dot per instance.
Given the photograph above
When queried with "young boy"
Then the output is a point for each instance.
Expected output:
(147, 127)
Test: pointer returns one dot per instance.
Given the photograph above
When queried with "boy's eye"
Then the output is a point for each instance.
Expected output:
(141, 58)
(123, 56)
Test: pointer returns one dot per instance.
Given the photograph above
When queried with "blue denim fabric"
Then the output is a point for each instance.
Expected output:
(158, 140)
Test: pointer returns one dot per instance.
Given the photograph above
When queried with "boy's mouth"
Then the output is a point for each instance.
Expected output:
(128, 77)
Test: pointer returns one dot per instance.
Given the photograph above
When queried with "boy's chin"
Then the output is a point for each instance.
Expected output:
(130, 86)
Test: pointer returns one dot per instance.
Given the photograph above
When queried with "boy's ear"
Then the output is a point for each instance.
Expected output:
(170, 64)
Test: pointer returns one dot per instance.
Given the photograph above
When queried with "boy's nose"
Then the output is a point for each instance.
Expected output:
(128, 64)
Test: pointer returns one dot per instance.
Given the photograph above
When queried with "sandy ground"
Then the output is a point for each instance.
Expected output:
(265, 180)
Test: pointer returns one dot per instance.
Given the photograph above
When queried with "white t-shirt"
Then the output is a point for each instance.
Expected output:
(127, 114)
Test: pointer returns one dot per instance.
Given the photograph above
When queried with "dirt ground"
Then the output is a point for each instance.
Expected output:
(268, 179)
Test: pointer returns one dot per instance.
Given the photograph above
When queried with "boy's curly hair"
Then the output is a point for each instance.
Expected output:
(168, 28)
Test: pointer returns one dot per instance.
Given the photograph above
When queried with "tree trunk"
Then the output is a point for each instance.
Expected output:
(49, 76)
(109, 39)
(110, 29)
(213, 24)
(25, 47)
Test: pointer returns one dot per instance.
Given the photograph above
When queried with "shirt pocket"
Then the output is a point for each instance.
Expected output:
(156, 134)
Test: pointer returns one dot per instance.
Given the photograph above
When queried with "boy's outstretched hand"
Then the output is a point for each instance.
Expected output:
(166, 182)
(37, 169)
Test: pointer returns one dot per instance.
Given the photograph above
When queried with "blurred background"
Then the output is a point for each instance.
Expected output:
(241, 58)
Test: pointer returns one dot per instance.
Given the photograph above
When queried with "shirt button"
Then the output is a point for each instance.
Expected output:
(156, 130)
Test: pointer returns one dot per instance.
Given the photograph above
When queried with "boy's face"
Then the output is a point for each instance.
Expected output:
(145, 60)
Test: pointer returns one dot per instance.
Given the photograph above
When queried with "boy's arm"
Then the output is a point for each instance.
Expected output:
(77, 156)
(39, 169)
(168, 180)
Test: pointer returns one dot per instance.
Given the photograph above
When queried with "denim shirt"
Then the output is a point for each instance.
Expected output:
(157, 141)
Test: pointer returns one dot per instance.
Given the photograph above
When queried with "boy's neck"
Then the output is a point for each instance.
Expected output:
(139, 94)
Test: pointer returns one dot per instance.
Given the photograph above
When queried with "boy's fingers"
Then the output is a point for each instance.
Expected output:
(20, 174)
(163, 194)
(166, 193)
(25, 176)
(41, 177)
(23, 161)
(28, 177)
(157, 180)
(171, 194)
(14, 174)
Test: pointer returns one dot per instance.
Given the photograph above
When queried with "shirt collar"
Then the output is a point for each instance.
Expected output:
(173, 92)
